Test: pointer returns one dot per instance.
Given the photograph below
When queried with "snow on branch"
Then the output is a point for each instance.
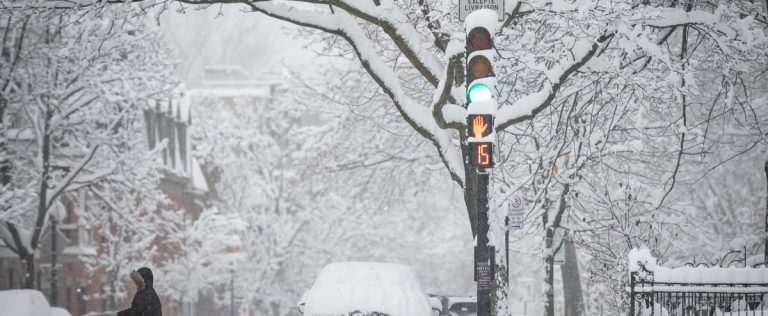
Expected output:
(443, 97)
(668, 17)
(344, 25)
(393, 22)
(56, 191)
(528, 106)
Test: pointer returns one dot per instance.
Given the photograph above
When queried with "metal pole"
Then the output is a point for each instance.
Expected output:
(506, 243)
(482, 258)
(54, 256)
(232, 294)
(765, 251)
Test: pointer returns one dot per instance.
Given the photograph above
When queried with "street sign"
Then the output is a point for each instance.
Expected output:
(516, 218)
(467, 6)
(559, 258)
(516, 213)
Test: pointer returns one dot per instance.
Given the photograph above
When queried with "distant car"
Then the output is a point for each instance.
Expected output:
(454, 305)
(365, 289)
(436, 304)
(462, 306)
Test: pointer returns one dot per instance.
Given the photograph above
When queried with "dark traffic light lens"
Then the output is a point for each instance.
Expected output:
(479, 38)
(479, 67)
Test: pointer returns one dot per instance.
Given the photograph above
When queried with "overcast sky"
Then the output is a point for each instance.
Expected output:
(228, 36)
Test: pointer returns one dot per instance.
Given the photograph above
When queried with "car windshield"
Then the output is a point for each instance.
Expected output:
(463, 309)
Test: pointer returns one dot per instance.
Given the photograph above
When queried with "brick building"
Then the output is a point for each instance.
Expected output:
(186, 184)
(81, 291)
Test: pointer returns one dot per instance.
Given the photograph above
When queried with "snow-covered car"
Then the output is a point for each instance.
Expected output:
(27, 303)
(365, 289)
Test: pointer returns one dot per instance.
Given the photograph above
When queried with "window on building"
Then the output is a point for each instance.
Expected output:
(182, 136)
(83, 235)
(149, 119)
(171, 137)
(166, 123)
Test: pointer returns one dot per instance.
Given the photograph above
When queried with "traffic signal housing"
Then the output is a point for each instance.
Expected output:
(481, 87)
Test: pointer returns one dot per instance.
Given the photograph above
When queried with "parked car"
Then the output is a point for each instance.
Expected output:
(454, 305)
(365, 289)
(462, 306)
(436, 304)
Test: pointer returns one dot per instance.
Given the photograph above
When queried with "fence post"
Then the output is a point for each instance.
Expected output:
(632, 293)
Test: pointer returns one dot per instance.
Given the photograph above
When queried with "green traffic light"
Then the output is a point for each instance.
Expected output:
(479, 92)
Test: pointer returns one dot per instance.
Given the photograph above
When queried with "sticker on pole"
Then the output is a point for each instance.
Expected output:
(484, 276)
(467, 6)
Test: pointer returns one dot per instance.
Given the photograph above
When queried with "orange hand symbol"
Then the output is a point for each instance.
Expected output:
(479, 126)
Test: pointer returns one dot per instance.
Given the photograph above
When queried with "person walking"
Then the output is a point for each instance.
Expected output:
(145, 302)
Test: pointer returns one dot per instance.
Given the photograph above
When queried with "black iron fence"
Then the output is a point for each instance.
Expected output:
(698, 290)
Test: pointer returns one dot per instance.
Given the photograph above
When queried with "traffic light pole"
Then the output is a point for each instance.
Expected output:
(54, 267)
(484, 263)
(481, 108)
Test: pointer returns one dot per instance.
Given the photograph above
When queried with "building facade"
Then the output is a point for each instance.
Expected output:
(81, 290)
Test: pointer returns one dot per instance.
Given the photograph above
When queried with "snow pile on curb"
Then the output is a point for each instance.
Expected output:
(24, 303)
(58, 311)
(345, 287)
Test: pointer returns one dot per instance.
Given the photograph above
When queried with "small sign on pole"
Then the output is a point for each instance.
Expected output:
(516, 214)
(484, 278)
(559, 258)
(467, 6)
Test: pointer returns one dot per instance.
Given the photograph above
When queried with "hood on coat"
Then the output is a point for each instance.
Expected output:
(146, 274)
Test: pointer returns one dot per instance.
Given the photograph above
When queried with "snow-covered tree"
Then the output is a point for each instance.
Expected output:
(648, 62)
(74, 83)
(210, 253)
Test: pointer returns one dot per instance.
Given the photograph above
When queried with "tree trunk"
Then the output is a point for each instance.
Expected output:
(275, 309)
(549, 268)
(500, 295)
(549, 242)
(28, 271)
(25, 251)
(470, 188)
(113, 289)
(573, 299)
(5, 162)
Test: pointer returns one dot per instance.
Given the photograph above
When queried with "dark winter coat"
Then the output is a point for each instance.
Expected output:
(145, 302)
